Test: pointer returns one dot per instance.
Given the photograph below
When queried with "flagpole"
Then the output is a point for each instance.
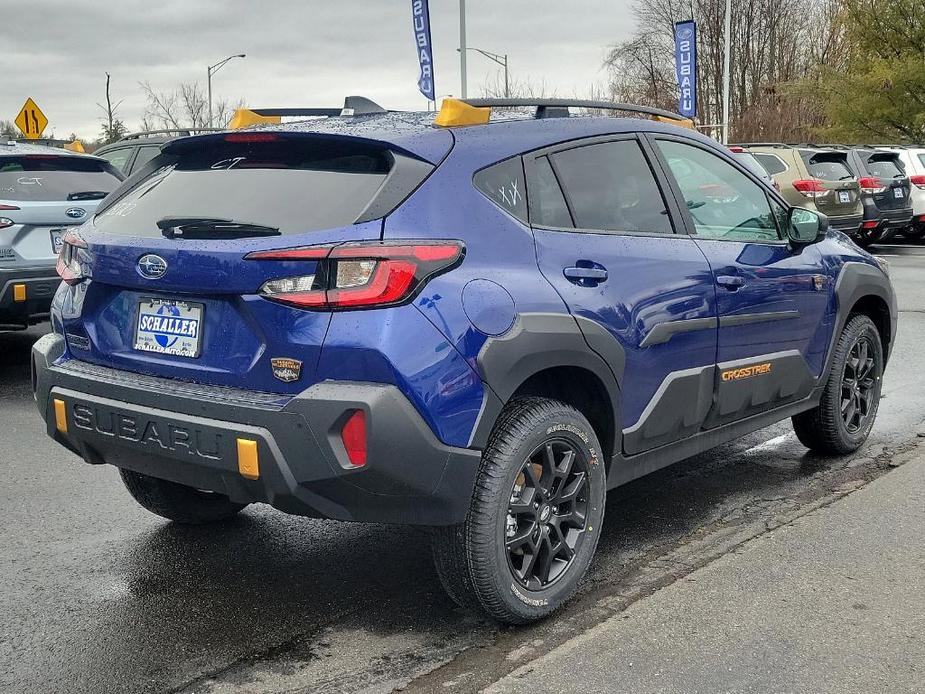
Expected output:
(462, 48)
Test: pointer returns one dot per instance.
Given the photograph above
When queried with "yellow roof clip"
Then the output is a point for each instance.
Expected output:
(244, 118)
(454, 112)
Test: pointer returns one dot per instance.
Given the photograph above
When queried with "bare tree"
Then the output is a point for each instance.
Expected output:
(775, 43)
(185, 107)
(113, 127)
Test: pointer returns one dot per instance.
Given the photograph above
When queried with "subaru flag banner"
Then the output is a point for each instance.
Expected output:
(685, 56)
(421, 14)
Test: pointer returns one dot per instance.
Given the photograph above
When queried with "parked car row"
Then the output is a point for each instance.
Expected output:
(870, 192)
(44, 192)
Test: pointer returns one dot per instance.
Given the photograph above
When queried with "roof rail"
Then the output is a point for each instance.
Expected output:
(167, 131)
(558, 108)
(760, 144)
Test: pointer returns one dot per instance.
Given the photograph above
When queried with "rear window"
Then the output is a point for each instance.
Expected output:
(294, 186)
(41, 177)
(884, 166)
(771, 163)
(827, 167)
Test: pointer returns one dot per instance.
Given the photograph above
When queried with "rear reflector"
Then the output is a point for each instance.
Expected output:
(869, 224)
(248, 460)
(60, 416)
(354, 437)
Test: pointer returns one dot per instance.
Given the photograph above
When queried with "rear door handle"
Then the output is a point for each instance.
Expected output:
(731, 282)
(585, 275)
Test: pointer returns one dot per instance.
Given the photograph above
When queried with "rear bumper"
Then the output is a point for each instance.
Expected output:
(889, 222)
(189, 434)
(26, 292)
(848, 224)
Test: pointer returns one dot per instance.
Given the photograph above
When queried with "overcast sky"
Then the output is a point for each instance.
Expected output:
(299, 52)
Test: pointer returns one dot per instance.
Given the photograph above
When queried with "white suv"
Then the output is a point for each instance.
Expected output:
(913, 160)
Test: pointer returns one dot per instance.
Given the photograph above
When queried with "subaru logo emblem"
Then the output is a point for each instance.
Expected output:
(75, 212)
(152, 266)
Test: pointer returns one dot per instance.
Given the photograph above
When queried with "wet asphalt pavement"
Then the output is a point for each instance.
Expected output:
(100, 596)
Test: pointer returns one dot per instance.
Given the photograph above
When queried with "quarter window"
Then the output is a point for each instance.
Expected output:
(610, 187)
(771, 163)
(145, 154)
(722, 201)
(503, 183)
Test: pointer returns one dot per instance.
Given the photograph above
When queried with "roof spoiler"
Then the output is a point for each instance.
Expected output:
(353, 106)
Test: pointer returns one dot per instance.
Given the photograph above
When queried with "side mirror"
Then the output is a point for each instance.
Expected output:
(805, 226)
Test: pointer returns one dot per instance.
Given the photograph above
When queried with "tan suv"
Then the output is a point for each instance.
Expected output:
(818, 179)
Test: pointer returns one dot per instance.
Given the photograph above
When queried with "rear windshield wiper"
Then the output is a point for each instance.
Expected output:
(212, 228)
(88, 195)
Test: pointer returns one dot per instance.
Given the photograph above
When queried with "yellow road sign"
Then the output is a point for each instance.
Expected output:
(31, 121)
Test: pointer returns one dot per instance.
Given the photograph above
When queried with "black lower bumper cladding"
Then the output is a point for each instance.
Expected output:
(192, 434)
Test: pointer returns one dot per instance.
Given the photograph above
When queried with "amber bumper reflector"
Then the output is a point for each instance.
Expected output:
(19, 292)
(60, 416)
(248, 463)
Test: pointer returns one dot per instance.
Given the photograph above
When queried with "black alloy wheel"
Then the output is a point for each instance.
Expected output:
(547, 515)
(858, 384)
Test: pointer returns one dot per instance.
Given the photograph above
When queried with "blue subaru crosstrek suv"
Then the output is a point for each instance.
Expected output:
(478, 324)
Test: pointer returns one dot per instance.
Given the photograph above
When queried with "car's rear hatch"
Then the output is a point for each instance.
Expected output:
(885, 180)
(41, 196)
(170, 292)
(837, 191)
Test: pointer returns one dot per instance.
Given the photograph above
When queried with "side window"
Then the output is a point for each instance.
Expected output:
(547, 204)
(503, 183)
(145, 154)
(118, 157)
(611, 187)
(772, 163)
(722, 201)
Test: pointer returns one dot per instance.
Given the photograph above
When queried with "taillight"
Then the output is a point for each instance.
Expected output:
(8, 207)
(69, 265)
(871, 185)
(251, 137)
(810, 187)
(359, 275)
(918, 180)
(735, 149)
(353, 435)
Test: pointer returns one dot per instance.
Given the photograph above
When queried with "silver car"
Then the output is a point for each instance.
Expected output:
(43, 192)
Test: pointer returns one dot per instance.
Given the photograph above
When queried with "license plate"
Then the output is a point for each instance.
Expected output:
(171, 327)
(898, 192)
(56, 236)
(844, 196)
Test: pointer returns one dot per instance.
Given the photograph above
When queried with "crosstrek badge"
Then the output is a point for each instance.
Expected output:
(285, 369)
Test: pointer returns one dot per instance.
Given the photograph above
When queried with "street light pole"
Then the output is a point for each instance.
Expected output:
(462, 48)
(211, 70)
(502, 61)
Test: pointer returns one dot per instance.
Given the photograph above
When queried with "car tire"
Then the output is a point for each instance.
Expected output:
(914, 233)
(843, 419)
(534, 518)
(177, 502)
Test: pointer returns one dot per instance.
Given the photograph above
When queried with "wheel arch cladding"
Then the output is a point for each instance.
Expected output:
(864, 288)
(560, 356)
